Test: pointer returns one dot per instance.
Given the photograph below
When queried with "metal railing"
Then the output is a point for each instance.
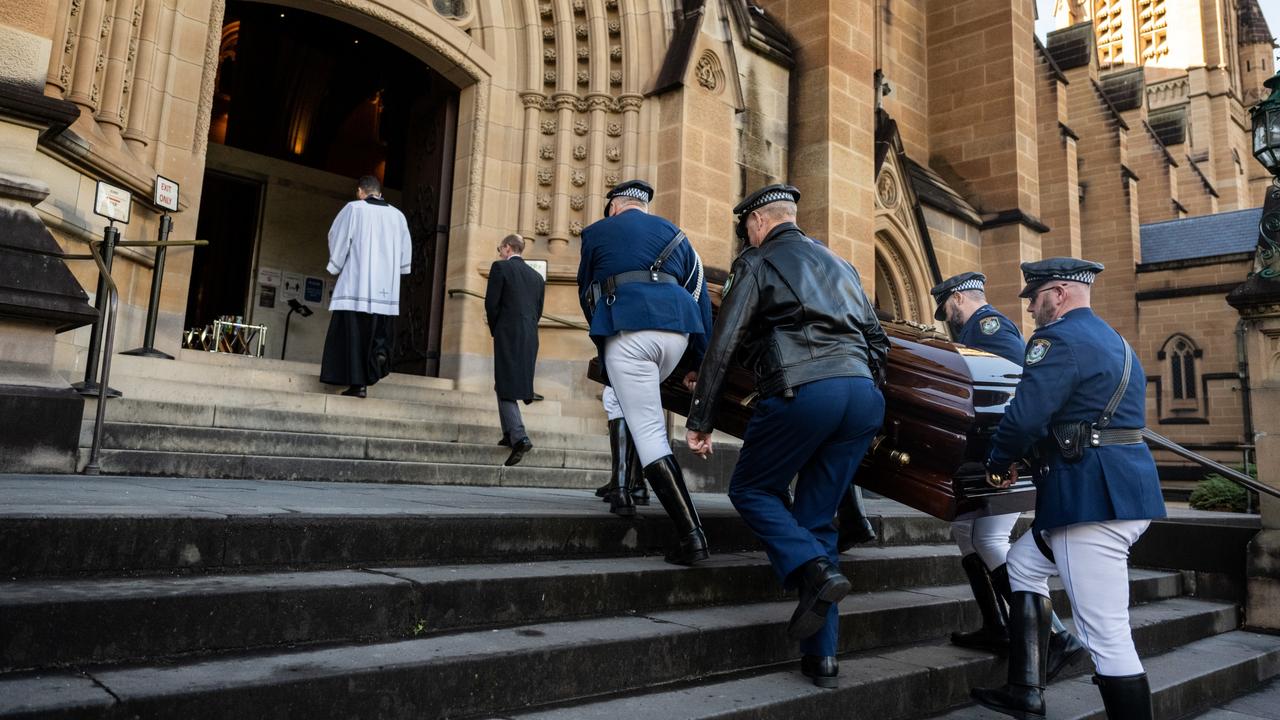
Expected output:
(109, 336)
(558, 320)
(1161, 442)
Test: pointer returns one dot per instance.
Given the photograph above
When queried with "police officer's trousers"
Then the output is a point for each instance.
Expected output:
(818, 437)
(1093, 561)
(612, 408)
(987, 536)
(637, 363)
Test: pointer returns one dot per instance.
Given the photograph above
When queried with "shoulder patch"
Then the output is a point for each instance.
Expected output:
(1037, 350)
(728, 283)
(989, 325)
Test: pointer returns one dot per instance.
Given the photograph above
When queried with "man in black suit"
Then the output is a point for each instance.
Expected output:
(513, 302)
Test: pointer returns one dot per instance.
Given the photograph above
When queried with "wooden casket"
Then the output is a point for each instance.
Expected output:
(942, 404)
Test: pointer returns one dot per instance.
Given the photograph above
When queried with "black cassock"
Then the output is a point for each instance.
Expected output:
(513, 302)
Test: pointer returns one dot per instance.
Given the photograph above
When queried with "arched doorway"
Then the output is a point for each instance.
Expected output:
(303, 104)
(902, 286)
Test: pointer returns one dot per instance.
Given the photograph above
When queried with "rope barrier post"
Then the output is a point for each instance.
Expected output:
(153, 306)
(89, 386)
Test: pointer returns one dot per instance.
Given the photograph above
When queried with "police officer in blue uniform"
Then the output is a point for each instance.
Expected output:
(1082, 402)
(643, 292)
(984, 541)
(797, 314)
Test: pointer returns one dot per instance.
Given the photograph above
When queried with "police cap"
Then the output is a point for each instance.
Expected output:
(1059, 268)
(637, 189)
(765, 195)
(954, 284)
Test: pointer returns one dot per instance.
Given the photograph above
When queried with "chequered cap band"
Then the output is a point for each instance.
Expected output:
(970, 284)
(1084, 276)
(633, 192)
(770, 197)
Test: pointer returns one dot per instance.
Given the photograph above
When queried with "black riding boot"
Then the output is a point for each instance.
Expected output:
(617, 428)
(1126, 697)
(639, 494)
(854, 527)
(667, 481)
(1023, 696)
(994, 633)
(621, 450)
(1064, 648)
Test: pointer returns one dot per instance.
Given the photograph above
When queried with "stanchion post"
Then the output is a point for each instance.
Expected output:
(153, 306)
(89, 387)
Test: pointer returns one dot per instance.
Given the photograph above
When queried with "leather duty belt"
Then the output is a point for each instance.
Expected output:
(634, 276)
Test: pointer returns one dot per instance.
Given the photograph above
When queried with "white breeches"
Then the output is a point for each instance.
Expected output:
(612, 409)
(1093, 561)
(637, 363)
(988, 536)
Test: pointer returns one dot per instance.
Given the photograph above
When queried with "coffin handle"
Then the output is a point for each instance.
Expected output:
(880, 448)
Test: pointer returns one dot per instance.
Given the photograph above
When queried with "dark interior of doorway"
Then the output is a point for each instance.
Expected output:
(220, 270)
(307, 89)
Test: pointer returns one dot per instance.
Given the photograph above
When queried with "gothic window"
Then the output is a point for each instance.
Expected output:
(1153, 31)
(1179, 359)
(1109, 24)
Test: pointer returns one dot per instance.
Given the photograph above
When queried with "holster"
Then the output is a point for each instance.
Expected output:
(1071, 438)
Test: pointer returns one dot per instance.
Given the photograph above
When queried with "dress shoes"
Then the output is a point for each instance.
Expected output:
(356, 391)
(821, 584)
(822, 669)
(517, 452)
(851, 521)
(504, 443)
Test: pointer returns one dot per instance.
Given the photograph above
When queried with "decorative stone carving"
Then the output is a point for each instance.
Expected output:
(584, 54)
(545, 175)
(887, 190)
(614, 129)
(544, 201)
(548, 127)
(611, 4)
(549, 77)
(611, 179)
(630, 102)
(580, 152)
(708, 72)
(548, 33)
(615, 27)
(578, 178)
(577, 202)
(584, 77)
(532, 100)
(542, 226)
(598, 101)
(545, 10)
(615, 77)
(581, 127)
(579, 7)
(615, 52)
(580, 30)
(614, 153)
(549, 56)
(575, 228)
(546, 152)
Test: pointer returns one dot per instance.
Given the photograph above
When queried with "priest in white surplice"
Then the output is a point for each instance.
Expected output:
(369, 249)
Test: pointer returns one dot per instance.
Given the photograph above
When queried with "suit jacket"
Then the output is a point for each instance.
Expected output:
(513, 303)
(1071, 369)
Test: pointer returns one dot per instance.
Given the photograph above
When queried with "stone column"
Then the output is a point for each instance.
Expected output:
(39, 413)
(532, 102)
(1258, 302)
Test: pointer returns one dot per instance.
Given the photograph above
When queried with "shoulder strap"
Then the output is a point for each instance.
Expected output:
(1118, 395)
(666, 251)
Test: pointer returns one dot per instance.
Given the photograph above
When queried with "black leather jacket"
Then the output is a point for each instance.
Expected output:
(797, 313)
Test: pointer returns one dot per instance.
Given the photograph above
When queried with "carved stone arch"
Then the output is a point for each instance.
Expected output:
(900, 257)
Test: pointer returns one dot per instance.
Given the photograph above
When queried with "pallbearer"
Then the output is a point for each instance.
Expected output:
(799, 316)
(1082, 400)
(984, 542)
(642, 290)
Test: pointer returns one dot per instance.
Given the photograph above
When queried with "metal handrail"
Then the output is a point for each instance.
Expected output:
(1161, 442)
(552, 318)
(109, 336)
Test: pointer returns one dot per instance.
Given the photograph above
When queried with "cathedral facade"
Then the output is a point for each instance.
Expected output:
(928, 137)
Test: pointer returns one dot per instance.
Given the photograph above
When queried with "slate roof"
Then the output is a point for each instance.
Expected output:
(1072, 47)
(1200, 237)
(1253, 24)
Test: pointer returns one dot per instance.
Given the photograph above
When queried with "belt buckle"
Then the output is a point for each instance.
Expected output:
(653, 275)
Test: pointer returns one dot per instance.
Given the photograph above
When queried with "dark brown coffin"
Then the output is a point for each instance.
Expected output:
(942, 402)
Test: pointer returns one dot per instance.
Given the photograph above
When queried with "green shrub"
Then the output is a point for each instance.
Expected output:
(1219, 494)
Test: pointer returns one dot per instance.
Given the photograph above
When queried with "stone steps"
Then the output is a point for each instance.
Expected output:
(906, 682)
(1261, 704)
(41, 621)
(227, 368)
(507, 669)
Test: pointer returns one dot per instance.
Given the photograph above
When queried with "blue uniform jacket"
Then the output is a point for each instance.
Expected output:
(632, 240)
(1071, 369)
(988, 329)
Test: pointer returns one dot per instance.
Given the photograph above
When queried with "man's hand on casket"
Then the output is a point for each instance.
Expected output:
(699, 442)
(1001, 477)
(690, 380)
